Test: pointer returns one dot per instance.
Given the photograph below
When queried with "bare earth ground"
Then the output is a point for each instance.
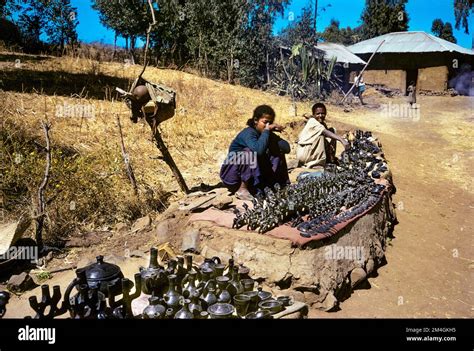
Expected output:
(429, 271)
(430, 262)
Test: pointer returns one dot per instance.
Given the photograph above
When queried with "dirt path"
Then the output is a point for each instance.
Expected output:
(429, 271)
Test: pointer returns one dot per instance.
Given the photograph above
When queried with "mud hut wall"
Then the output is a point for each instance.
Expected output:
(435, 68)
(433, 78)
(394, 79)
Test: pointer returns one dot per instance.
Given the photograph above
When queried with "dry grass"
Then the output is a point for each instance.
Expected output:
(90, 170)
(88, 167)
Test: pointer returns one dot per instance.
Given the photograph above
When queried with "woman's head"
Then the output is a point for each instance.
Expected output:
(262, 115)
(319, 111)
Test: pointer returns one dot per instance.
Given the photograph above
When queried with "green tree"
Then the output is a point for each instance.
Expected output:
(462, 11)
(169, 36)
(301, 31)
(128, 18)
(259, 41)
(346, 36)
(443, 30)
(383, 16)
(32, 19)
(61, 23)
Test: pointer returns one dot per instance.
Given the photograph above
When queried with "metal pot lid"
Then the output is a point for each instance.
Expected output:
(221, 309)
(101, 270)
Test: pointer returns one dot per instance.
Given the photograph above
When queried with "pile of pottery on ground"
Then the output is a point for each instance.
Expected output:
(181, 290)
(318, 202)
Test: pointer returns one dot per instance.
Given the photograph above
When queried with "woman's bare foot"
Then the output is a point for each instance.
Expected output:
(244, 194)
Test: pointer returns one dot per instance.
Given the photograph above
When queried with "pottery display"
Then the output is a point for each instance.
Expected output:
(99, 291)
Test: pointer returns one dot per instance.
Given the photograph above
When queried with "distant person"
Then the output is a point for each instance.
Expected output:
(314, 148)
(412, 94)
(256, 157)
(360, 86)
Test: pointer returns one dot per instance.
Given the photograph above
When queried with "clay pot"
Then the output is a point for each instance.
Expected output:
(272, 306)
(259, 315)
(285, 300)
(172, 298)
(104, 276)
(254, 300)
(221, 311)
(248, 284)
(223, 295)
(263, 295)
(154, 310)
(184, 312)
(241, 303)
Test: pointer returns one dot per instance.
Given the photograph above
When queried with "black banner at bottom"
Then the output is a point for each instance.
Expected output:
(432, 334)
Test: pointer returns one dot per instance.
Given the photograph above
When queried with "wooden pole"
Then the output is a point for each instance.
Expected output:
(150, 27)
(126, 159)
(41, 206)
(160, 144)
(370, 59)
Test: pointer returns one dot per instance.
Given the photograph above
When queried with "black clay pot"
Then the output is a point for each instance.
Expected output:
(259, 315)
(241, 303)
(221, 310)
(154, 310)
(172, 297)
(254, 300)
(219, 270)
(4, 297)
(272, 306)
(210, 264)
(209, 296)
(248, 284)
(285, 300)
(263, 295)
(223, 295)
(184, 312)
(104, 276)
(153, 278)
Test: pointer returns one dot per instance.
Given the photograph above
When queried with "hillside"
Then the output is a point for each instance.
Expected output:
(430, 156)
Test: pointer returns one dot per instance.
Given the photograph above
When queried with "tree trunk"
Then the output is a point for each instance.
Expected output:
(199, 55)
(132, 49)
(230, 74)
(115, 45)
(160, 144)
(267, 67)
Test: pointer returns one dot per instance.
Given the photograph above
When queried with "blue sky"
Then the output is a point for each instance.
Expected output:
(421, 13)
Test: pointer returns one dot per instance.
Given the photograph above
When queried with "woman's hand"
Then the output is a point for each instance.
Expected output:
(274, 127)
